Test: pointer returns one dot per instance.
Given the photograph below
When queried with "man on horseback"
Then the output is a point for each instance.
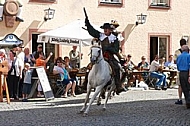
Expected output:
(110, 46)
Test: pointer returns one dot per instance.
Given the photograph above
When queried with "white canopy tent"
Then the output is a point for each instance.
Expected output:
(71, 34)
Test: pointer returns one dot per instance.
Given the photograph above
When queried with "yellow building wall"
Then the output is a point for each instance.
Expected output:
(173, 21)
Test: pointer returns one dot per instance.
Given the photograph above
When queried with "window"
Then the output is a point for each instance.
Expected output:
(160, 3)
(110, 1)
(43, 1)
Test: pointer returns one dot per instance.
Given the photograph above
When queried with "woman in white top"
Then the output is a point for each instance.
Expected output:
(66, 80)
(14, 74)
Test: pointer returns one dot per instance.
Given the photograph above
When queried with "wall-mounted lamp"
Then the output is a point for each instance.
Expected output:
(141, 19)
(49, 14)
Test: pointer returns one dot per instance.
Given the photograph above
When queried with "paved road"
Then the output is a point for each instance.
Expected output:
(131, 108)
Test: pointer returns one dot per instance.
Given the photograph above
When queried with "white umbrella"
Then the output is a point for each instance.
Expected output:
(73, 33)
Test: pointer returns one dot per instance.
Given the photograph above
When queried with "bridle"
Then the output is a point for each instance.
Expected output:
(97, 60)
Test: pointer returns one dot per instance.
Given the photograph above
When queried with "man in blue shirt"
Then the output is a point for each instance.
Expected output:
(183, 66)
(170, 63)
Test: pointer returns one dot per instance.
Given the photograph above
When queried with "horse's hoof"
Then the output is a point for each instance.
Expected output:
(104, 109)
(85, 115)
(113, 94)
(98, 104)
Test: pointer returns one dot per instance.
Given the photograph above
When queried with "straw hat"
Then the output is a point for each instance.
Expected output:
(114, 23)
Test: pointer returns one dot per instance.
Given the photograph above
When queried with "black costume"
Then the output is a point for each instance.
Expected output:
(110, 46)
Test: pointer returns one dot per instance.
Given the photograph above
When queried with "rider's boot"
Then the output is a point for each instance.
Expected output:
(102, 94)
(119, 88)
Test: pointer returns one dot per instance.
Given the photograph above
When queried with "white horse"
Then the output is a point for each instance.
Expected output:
(99, 77)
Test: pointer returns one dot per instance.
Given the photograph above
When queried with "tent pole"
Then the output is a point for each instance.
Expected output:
(80, 46)
(44, 48)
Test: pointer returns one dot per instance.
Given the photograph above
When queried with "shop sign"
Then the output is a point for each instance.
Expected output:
(10, 39)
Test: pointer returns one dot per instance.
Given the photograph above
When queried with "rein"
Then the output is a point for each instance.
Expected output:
(98, 61)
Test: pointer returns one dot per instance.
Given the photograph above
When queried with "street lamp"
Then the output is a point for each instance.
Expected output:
(141, 19)
(49, 14)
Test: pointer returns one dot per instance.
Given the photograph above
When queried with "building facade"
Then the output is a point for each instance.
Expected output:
(166, 23)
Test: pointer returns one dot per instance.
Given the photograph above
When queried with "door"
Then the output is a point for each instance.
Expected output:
(158, 46)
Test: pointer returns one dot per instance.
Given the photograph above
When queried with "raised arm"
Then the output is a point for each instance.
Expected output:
(47, 59)
(93, 32)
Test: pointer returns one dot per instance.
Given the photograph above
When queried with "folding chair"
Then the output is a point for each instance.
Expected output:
(145, 77)
(56, 84)
(60, 88)
(152, 81)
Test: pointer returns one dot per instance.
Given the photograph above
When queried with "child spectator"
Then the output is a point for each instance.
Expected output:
(27, 82)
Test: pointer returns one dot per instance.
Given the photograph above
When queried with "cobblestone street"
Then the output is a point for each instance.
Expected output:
(131, 108)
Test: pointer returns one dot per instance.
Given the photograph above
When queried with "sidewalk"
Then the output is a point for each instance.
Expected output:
(129, 96)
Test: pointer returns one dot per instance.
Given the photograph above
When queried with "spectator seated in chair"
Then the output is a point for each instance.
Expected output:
(154, 72)
(129, 65)
(143, 66)
(66, 80)
(72, 72)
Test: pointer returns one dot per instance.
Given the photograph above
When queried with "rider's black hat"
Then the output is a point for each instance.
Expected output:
(107, 26)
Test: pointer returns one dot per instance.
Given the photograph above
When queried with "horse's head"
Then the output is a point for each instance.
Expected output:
(95, 54)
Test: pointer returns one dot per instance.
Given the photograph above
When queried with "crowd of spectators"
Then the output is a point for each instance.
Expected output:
(21, 66)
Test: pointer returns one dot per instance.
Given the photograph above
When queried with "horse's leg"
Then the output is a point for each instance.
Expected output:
(86, 99)
(98, 89)
(113, 89)
(108, 96)
(99, 97)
